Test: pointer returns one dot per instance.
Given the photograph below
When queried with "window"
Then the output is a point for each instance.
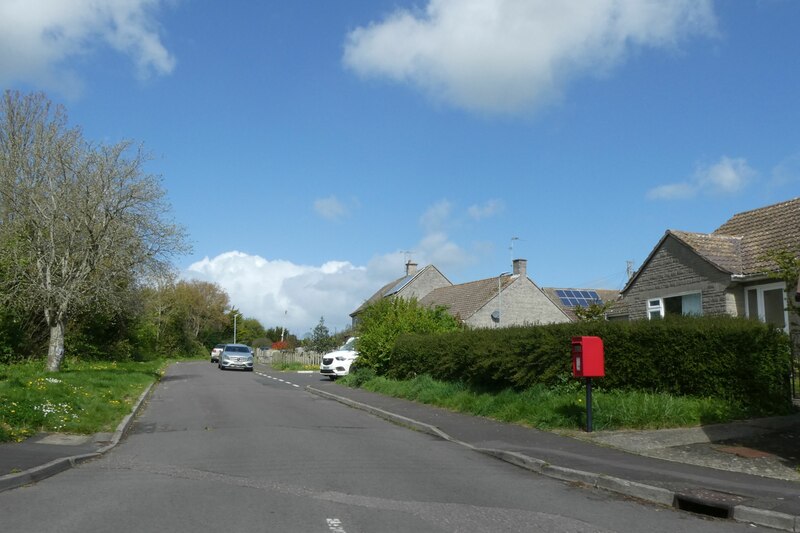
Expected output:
(768, 304)
(654, 309)
(682, 304)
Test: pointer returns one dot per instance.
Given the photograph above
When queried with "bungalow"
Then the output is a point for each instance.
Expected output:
(724, 271)
(415, 284)
(502, 301)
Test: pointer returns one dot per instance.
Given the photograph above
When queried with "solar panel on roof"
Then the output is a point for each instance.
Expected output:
(576, 298)
(397, 286)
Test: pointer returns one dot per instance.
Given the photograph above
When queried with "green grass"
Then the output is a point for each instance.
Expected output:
(293, 367)
(562, 407)
(83, 398)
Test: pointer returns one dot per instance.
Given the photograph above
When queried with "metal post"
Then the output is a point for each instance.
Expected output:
(588, 405)
(234, 328)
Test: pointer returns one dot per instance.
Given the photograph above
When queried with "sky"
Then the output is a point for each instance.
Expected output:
(311, 148)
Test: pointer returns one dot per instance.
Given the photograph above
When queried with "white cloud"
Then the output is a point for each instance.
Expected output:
(280, 293)
(487, 210)
(39, 37)
(265, 289)
(330, 208)
(726, 177)
(503, 56)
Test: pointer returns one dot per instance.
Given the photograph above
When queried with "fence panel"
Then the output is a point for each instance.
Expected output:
(302, 357)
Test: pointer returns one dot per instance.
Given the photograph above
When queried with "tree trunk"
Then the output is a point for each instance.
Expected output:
(55, 353)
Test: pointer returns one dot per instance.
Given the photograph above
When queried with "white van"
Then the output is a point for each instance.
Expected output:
(337, 363)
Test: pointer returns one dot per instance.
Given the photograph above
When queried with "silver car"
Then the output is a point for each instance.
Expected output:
(236, 356)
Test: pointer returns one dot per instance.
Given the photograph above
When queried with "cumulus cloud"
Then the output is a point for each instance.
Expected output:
(39, 37)
(726, 177)
(504, 56)
(280, 293)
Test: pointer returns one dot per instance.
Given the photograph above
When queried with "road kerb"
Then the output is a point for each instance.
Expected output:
(650, 493)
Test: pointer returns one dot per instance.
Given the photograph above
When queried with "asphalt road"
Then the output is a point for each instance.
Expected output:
(255, 452)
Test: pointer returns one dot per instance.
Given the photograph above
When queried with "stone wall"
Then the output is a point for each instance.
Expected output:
(523, 303)
(673, 270)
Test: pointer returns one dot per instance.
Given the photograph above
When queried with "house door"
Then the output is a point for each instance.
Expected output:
(768, 304)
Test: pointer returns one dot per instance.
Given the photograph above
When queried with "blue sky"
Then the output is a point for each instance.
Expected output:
(310, 148)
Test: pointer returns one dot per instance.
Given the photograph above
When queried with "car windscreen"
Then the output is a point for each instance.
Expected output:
(242, 349)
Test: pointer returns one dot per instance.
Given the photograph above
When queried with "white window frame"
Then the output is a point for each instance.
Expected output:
(661, 309)
(760, 289)
(655, 305)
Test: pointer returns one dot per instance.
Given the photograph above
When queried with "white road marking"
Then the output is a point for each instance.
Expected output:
(335, 525)
(278, 379)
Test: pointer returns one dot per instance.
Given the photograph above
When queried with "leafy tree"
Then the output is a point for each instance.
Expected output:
(248, 330)
(383, 321)
(787, 269)
(595, 311)
(79, 222)
(321, 340)
(275, 334)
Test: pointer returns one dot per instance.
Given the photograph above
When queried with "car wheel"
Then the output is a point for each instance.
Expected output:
(331, 377)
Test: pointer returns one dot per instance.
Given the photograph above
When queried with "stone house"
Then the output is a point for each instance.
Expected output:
(506, 300)
(415, 284)
(720, 272)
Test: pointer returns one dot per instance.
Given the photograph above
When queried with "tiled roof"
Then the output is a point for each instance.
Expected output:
(739, 245)
(466, 299)
(393, 287)
(762, 230)
(724, 251)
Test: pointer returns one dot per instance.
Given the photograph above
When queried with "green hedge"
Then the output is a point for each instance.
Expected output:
(736, 359)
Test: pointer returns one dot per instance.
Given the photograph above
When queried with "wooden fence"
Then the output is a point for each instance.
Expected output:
(300, 356)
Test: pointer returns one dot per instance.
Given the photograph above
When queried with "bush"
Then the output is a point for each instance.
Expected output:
(735, 359)
(383, 321)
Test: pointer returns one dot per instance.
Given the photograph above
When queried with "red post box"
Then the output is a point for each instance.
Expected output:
(588, 357)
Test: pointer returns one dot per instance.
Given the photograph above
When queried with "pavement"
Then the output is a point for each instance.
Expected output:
(745, 471)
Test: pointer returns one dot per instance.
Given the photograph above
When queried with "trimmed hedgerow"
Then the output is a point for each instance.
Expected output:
(736, 359)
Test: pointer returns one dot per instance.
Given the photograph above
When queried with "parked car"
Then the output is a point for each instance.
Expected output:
(236, 356)
(215, 351)
(337, 363)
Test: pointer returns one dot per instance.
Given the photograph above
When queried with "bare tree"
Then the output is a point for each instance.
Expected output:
(79, 223)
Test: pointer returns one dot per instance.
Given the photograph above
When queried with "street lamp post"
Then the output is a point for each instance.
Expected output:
(234, 327)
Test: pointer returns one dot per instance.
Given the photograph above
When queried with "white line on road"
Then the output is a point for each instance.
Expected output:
(335, 525)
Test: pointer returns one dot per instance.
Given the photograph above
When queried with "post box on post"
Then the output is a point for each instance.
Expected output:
(588, 362)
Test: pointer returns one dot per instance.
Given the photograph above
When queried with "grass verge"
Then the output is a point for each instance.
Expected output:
(293, 367)
(83, 398)
(558, 408)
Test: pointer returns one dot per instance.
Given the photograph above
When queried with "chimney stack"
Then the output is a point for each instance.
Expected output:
(411, 268)
(521, 267)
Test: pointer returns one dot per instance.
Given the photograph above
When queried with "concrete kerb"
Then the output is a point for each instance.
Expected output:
(649, 493)
(32, 475)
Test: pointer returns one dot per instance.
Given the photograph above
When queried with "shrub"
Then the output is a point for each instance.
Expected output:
(735, 359)
(383, 321)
